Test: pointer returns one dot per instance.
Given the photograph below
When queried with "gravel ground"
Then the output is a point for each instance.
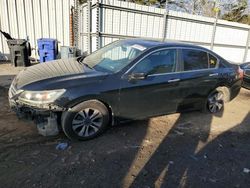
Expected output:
(180, 150)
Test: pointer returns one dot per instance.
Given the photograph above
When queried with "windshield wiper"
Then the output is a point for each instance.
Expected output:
(80, 58)
(86, 65)
(80, 61)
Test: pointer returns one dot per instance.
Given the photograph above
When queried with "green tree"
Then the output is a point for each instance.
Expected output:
(238, 12)
(200, 7)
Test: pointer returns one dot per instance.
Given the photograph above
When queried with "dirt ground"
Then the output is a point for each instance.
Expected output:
(180, 150)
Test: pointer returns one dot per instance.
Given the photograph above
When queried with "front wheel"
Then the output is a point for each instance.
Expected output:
(215, 101)
(85, 120)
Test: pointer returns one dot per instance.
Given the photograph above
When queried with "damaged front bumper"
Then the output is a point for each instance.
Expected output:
(45, 116)
(31, 111)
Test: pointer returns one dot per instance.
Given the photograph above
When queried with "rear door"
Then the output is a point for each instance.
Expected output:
(157, 93)
(199, 75)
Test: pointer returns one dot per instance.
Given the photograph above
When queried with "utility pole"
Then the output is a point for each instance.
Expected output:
(89, 22)
(217, 10)
(165, 21)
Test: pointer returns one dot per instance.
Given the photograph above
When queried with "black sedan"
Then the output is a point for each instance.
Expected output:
(126, 80)
(246, 79)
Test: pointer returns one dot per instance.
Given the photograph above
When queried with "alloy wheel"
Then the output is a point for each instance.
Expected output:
(87, 122)
(215, 102)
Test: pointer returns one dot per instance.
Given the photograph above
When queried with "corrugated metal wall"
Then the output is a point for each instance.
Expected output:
(34, 19)
(117, 19)
(120, 19)
(83, 28)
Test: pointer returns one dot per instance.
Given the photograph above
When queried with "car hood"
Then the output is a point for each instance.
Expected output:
(62, 69)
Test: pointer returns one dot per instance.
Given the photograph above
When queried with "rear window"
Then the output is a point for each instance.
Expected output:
(194, 59)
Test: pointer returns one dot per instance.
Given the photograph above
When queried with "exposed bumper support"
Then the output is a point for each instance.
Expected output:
(46, 118)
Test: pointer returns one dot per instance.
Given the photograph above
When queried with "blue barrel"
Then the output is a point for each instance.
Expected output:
(47, 49)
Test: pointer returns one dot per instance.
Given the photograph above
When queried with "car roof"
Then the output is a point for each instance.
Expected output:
(157, 43)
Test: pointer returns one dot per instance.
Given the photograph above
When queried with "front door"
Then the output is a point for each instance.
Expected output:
(151, 87)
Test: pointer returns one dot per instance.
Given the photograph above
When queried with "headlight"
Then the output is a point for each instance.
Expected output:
(41, 97)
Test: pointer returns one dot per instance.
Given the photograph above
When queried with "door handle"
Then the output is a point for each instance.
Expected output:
(174, 80)
(214, 74)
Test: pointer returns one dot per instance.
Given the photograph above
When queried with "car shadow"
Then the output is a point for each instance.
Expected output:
(227, 160)
(219, 163)
(106, 160)
(169, 164)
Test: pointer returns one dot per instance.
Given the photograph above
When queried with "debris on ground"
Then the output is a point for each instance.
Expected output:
(179, 132)
(186, 125)
(212, 180)
(246, 170)
(171, 162)
(193, 157)
(144, 172)
(62, 146)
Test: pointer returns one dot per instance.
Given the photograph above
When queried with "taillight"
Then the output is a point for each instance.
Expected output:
(240, 73)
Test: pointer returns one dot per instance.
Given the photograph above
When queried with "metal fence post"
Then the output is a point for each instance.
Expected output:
(165, 23)
(247, 45)
(89, 19)
(71, 28)
(97, 24)
(76, 23)
(214, 30)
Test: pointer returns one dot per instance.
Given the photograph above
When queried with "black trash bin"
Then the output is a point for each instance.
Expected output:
(19, 52)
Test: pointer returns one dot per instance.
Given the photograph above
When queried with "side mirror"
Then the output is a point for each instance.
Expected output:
(137, 76)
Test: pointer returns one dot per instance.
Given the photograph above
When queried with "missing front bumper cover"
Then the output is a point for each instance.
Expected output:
(46, 119)
(48, 126)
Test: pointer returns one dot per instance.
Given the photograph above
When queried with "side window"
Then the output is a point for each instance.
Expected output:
(194, 59)
(163, 61)
(212, 61)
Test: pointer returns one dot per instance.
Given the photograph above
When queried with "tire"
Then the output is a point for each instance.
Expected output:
(85, 121)
(216, 100)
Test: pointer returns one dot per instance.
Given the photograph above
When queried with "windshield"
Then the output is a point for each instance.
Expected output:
(115, 56)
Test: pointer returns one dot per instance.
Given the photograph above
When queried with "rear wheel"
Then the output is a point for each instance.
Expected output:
(86, 120)
(215, 101)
